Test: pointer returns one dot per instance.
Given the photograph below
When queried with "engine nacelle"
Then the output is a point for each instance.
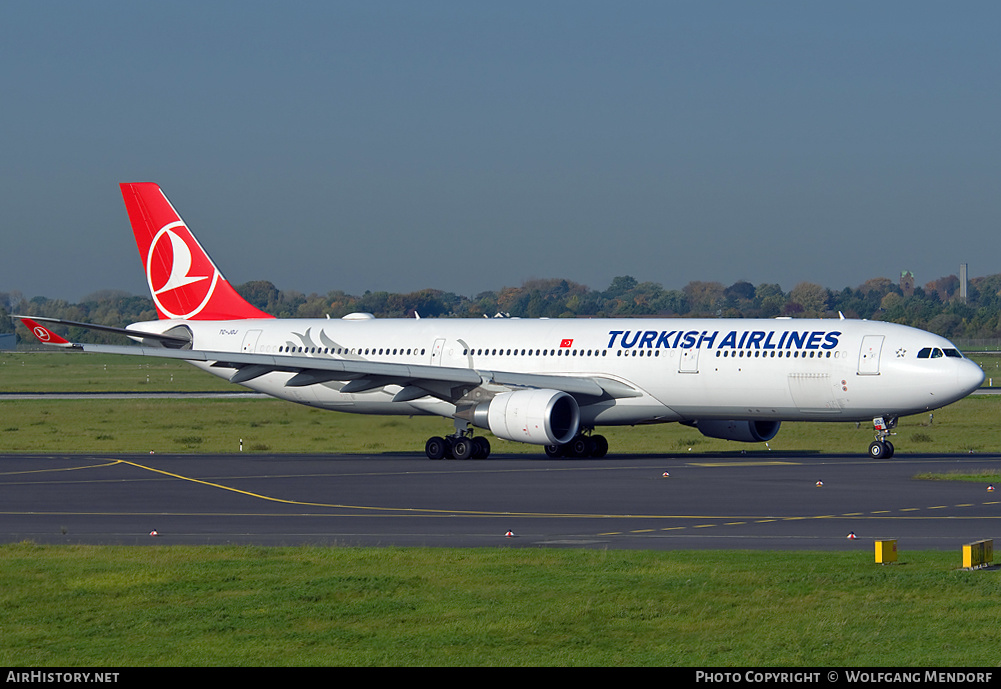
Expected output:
(539, 417)
(744, 431)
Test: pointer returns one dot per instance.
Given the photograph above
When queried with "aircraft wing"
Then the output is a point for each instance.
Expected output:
(417, 380)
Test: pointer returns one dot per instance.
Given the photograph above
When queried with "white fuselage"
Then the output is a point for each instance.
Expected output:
(677, 369)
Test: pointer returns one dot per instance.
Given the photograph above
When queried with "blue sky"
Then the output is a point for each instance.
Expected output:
(468, 146)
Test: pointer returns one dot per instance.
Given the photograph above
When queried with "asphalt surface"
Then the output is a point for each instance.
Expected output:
(759, 501)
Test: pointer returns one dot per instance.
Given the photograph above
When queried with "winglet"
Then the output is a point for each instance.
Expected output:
(183, 280)
(44, 335)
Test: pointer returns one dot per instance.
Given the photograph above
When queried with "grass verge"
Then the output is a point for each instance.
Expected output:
(233, 606)
(983, 476)
(272, 426)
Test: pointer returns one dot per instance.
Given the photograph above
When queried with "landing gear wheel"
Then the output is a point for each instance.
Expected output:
(554, 451)
(599, 446)
(878, 449)
(889, 449)
(579, 447)
(462, 448)
(481, 447)
(435, 448)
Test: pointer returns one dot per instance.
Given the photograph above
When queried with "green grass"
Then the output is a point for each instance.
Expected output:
(982, 476)
(76, 372)
(238, 606)
(274, 426)
(991, 364)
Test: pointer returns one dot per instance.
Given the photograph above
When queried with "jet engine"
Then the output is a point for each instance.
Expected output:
(744, 431)
(538, 417)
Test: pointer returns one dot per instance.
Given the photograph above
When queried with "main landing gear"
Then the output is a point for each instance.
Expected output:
(461, 445)
(581, 446)
(881, 448)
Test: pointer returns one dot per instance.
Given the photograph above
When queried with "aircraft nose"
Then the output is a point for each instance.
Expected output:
(970, 376)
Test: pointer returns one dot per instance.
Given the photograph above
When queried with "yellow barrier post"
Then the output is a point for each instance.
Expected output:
(886, 551)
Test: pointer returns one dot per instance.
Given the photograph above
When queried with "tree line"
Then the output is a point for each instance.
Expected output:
(936, 307)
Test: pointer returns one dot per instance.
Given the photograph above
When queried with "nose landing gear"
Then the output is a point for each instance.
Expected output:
(881, 448)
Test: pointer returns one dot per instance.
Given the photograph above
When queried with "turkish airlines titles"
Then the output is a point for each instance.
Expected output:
(735, 339)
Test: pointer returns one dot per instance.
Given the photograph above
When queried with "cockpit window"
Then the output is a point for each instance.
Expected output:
(936, 353)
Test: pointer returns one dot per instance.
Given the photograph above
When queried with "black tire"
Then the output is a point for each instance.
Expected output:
(554, 451)
(889, 449)
(462, 448)
(599, 446)
(481, 447)
(434, 448)
(579, 447)
(877, 449)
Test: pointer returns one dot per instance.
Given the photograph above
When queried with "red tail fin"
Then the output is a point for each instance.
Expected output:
(183, 280)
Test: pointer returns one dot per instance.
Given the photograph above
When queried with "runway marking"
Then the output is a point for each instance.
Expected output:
(744, 464)
(875, 514)
(59, 469)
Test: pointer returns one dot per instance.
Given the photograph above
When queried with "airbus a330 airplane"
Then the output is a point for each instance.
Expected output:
(539, 381)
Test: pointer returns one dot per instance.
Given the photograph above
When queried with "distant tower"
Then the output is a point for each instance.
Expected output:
(907, 283)
(962, 282)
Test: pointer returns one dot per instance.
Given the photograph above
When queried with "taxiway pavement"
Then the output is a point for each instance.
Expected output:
(754, 501)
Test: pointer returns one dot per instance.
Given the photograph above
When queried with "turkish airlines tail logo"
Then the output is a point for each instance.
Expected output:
(44, 335)
(183, 280)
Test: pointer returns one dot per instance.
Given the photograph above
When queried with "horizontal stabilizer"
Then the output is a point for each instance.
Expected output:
(167, 339)
(44, 335)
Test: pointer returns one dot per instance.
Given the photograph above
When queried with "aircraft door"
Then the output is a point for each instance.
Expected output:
(689, 361)
(436, 351)
(250, 341)
(868, 359)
